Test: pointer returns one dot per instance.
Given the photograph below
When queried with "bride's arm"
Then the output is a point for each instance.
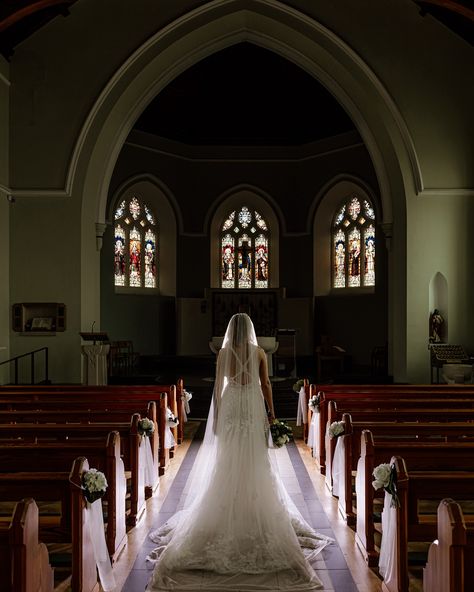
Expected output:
(265, 383)
(218, 386)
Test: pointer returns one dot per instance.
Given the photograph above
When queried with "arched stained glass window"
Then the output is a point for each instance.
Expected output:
(353, 244)
(244, 258)
(135, 251)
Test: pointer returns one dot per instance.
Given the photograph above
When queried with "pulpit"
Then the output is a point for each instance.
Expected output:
(94, 358)
(268, 344)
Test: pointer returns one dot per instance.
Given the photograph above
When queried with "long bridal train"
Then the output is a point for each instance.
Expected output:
(239, 528)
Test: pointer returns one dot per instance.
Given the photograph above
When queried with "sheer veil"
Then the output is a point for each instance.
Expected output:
(238, 528)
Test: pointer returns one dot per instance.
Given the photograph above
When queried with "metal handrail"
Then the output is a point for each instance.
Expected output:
(32, 354)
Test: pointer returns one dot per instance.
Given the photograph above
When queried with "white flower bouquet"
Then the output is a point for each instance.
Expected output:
(298, 384)
(146, 427)
(384, 477)
(94, 485)
(281, 433)
(171, 420)
(186, 396)
(336, 429)
(313, 403)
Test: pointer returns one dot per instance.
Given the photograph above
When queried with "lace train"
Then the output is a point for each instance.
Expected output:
(239, 529)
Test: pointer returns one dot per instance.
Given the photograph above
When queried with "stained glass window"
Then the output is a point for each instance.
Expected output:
(119, 257)
(228, 261)
(261, 261)
(135, 250)
(353, 244)
(339, 259)
(369, 263)
(244, 257)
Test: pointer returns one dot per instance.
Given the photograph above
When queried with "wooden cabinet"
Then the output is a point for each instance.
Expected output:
(39, 317)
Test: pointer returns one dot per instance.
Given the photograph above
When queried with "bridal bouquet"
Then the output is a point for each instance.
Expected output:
(384, 476)
(281, 433)
(94, 485)
(146, 427)
(171, 420)
(336, 429)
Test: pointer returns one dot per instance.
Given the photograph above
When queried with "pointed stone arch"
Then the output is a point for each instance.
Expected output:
(194, 36)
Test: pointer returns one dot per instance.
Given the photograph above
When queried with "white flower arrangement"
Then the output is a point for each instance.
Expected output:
(146, 427)
(299, 384)
(171, 420)
(94, 485)
(384, 477)
(186, 396)
(313, 403)
(336, 429)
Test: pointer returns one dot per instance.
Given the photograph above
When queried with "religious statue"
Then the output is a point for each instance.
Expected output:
(436, 326)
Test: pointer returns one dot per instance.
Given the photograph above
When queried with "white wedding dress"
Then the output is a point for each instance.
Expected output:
(239, 529)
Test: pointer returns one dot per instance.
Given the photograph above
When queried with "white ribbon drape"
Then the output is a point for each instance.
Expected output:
(121, 526)
(338, 477)
(302, 414)
(185, 402)
(169, 438)
(95, 523)
(315, 434)
(388, 549)
(146, 461)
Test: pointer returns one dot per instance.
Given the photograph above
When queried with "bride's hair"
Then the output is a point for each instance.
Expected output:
(240, 331)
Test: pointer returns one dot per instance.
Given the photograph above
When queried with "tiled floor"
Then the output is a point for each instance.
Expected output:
(339, 566)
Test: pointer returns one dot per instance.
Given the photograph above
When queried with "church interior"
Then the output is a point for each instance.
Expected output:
(166, 165)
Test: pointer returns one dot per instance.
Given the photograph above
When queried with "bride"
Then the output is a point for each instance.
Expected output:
(238, 529)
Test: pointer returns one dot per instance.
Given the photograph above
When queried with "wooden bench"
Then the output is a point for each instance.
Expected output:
(64, 487)
(107, 400)
(11, 395)
(24, 560)
(406, 414)
(388, 396)
(63, 432)
(103, 455)
(414, 487)
(451, 556)
(394, 434)
(440, 456)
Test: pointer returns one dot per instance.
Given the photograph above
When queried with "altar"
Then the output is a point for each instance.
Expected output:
(268, 344)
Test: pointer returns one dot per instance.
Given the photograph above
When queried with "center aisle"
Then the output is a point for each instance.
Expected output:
(330, 565)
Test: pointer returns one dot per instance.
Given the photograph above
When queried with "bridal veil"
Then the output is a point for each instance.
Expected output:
(238, 529)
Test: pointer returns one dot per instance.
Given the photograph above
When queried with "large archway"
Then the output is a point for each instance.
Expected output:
(299, 39)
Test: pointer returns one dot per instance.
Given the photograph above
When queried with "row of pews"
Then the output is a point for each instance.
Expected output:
(426, 434)
(49, 437)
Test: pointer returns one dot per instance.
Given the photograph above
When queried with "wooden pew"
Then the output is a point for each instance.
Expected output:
(400, 435)
(451, 556)
(443, 457)
(66, 488)
(130, 441)
(24, 560)
(103, 455)
(412, 487)
(388, 396)
(9, 395)
(113, 403)
(88, 407)
(87, 413)
(406, 413)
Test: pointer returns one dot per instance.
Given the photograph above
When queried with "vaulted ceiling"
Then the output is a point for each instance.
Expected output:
(243, 95)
